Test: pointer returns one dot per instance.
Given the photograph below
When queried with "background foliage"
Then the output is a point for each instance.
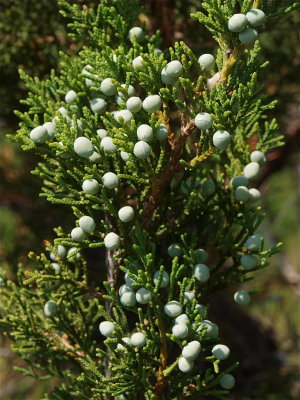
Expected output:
(26, 220)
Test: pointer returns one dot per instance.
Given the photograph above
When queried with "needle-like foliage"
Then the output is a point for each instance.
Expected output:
(156, 153)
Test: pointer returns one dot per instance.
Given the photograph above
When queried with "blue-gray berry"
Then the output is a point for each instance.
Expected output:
(221, 139)
(141, 149)
(255, 17)
(237, 23)
(207, 62)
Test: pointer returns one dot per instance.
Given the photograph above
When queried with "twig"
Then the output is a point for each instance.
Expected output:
(230, 62)
(71, 351)
(159, 183)
(161, 379)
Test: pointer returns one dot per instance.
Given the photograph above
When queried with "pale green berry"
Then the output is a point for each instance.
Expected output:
(102, 133)
(174, 69)
(63, 111)
(95, 157)
(253, 243)
(137, 33)
(227, 381)
(137, 62)
(126, 115)
(61, 251)
(134, 104)
(50, 308)
(221, 139)
(112, 241)
(201, 272)
(201, 309)
(161, 133)
(87, 224)
(182, 319)
(167, 79)
(78, 234)
(107, 87)
(86, 71)
(121, 347)
(89, 82)
(248, 37)
(203, 121)
(70, 97)
(53, 256)
(185, 365)
(129, 280)
(255, 17)
(73, 254)
(141, 150)
(208, 187)
(67, 119)
(143, 296)
(237, 23)
(56, 267)
(110, 180)
(98, 105)
(125, 156)
(220, 351)
(63, 153)
(202, 255)
(50, 128)
(2, 282)
(248, 261)
(188, 296)
(254, 194)
(242, 297)
(191, 350)
(130, 90)
(108, 145)
(106, 328)
(39, 134)
(212, 330)
(128, 299)
(124, 288)
(83, 147)
(241, 193)
(90, 186)
(165, 279)
(152, 103)
(258, 156)
(180, 330)
(173, 308)
(138, 339)
(145, 133)
(251, 170)
(79, 124)
(126, 214)
(207, 62)
(174, 250)
(239, 181)
(120, 101)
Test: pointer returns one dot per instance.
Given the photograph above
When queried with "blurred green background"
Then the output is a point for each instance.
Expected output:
(31, 36)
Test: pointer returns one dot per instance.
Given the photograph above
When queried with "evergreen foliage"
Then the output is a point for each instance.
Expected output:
(194, 219)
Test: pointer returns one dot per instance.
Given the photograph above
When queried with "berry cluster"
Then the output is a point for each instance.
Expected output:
(244, 25)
